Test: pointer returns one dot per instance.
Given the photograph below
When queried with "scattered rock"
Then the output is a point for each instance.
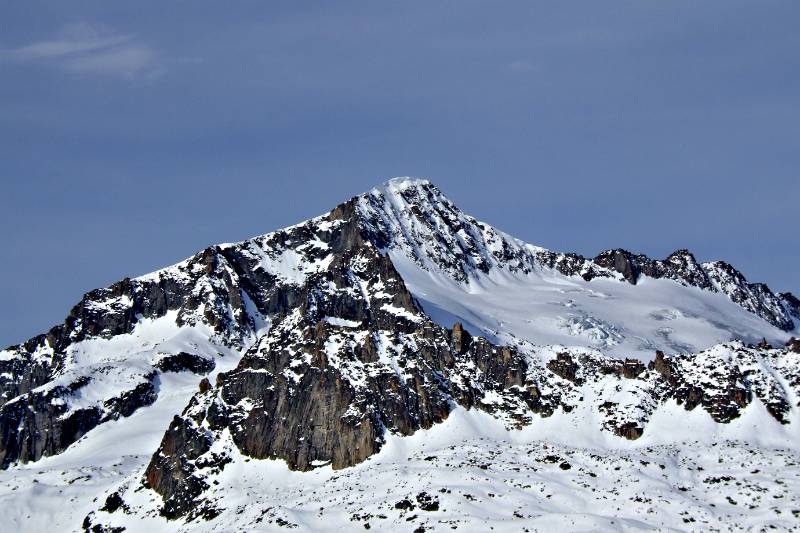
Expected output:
(427, 502)
(404, 505)
(114, 502)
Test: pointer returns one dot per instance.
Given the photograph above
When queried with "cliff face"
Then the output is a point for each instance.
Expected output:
(355, 358)
(219, 300)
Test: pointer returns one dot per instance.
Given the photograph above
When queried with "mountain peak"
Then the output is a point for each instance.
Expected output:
(412, 219)
(402, 183)
(404, 192)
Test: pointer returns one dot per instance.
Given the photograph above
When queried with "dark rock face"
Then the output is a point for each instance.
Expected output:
(793, 345)
(130, 400)
(661, 365)
(41, 423)
(461, 338)
(631, 368)
(182, 361)
(630, 430)
(41, 431)
(205, 385)
(755, 297)
(620, 261)
(427, 502)
(791, 303)
(181, 445)
(25, 372)
(320, 390)
(114, 502)
(680, 266)
(564, 366)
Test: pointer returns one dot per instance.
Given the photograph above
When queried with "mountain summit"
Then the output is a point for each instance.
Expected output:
(325, 345)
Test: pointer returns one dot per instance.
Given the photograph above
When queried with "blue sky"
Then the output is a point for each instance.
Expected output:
(134, 134)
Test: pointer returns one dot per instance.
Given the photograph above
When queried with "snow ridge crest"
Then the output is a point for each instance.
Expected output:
(412, 217)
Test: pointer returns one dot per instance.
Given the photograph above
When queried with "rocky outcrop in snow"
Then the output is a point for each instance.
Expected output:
(755, 297)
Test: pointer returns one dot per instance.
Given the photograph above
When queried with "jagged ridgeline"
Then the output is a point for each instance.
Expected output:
(312, 343)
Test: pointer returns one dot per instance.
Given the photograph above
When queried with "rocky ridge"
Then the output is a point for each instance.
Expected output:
(414, 217)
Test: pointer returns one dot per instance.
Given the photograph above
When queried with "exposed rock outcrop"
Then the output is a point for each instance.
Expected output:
(318, 390)
(755, 297)
(42, 422)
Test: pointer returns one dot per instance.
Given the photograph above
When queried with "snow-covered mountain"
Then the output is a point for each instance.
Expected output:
(330, 347)
(623, 303)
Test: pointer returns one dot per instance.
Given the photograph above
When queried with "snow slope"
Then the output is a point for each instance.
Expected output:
(471, 474)
(621, 319)
(465, 270)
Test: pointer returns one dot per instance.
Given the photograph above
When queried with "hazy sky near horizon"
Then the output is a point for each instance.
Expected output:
(134, 134)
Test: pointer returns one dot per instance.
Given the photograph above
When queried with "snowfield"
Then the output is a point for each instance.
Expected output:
(467, 474)
(620, 319)
(504, 289)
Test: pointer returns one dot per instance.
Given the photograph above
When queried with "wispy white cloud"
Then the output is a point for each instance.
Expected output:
(128, 61)
(91, 49)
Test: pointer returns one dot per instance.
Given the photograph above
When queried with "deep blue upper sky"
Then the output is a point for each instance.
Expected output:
(134, 134)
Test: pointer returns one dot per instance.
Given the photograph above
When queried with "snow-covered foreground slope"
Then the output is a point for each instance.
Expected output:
(471, 474)
(315, 378)
(554, 475)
